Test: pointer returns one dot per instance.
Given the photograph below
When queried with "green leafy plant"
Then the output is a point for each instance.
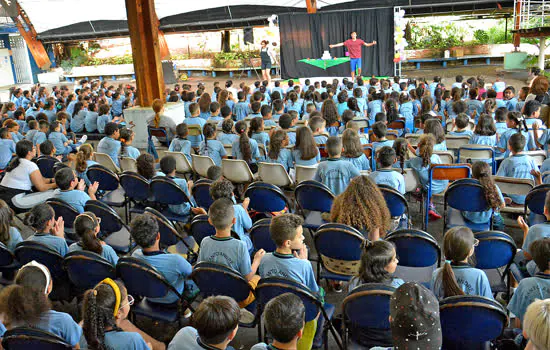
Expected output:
(481, 36)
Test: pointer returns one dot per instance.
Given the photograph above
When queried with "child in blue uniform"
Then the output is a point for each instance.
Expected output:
(9, 235)
(110, 144)
(245, 148)
(278, 153)
(485, 132)
(335, 172)
(210, 146)
(227, 136)
(72, 190)
(385, 175)
(126, 149)
(461, 122)
(380, 129)
(240, 110)
(353, 151)
(305, 151)
(7, 148)
(41, 135)
(168, 167)
(103, 118)
(266, 112)
(195, 119)
(86, 227)
(48, 231)
(257, 132)
(516, 124)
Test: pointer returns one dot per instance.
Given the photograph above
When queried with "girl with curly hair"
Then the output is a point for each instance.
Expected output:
(371, 215)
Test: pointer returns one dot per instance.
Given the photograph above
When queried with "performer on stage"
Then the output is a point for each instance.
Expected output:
(354, 46)
(268, 56)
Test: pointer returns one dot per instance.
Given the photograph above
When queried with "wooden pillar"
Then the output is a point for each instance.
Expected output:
(144, 37)
(163, 47)
(311, 6)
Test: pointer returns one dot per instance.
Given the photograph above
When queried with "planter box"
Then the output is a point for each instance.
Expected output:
(423, 53)
(457, 52)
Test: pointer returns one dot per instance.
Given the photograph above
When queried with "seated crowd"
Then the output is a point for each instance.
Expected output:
(356, 134)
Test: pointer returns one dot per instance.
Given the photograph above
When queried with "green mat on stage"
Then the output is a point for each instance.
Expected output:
(324, 64)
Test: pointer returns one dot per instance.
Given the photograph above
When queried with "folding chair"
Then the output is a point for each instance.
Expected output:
(136, 189)
(534, 201)
(262, 150)
(8, 265)
(201, 228)
(362, 123)
(397, 126)
(275, 174)
(339, 248)
(195, 130)
(470, 322)
(183, 166)
(316, 198)
(411, 179)
(454, 142)
(412, 139)
(494, 254)
(127, 164)
(24, 338)
(228, 150)
(266, 198)
(261, 236)
(539, 156)
(166, 192)
(68, 213)
(396, 202)
(113, 229)
(110, 191)
(447, 157)
(237, 171)
(472, 153)
(449, 172)
(366, 311)
(419, 254)
(201, 193)
(269, 288)
(106, 161)
(510, 185)
(304, 173)
(465, 195)
(46, 166)
(201, 164)
(86, 269)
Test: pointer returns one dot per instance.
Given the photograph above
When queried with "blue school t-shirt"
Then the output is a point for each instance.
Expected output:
(58, 140)
(288, 266)
(320, 139)
(545, 140)
(380, 144)
(483, 216)
(361, 162)
(131, 152)
(184, 208)
(389, 178)
(438, 186)
(483, 140)
(518, 166)
(55, 243)
(84, 174)
(269, 123)
(501, 127)
(475, 108)
(243, 223)
(471, 280)
(109, 146)
(125, 341)
(90, 122)
(373, 108)
(529, 289)
(102, 120)
(297, 156)
(172, 266)
(536, 232)
(7, 149)
(52, 116)
(107, 252)
(30, 134)
(195, 140)
(336, 174)
(14, 239)
(188, 338)
(227, 139)
(227, 251)
(240, 110)
(505, 137)
(213, 149)
(39, 138)
(237, 154)
(78, 121)
(75, 198)
(284, 158)
(180, 145)
(261, 138)
(462, 133)
(60, 324)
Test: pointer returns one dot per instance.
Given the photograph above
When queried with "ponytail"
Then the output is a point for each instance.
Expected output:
(94, 331)
(457, 245)
(482, 172)
(276, 144)
(244, 141)
(82, 156)
(125, 135)
(426, 148)
(208, 131)
(448, 280)
(157, 107)
(84, 226)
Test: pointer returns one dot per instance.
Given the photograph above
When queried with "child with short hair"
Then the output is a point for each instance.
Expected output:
(110, 144)
(257, 132)
(510, 99)
(41, 134)
(210, 146)
(90, 121)
(72, 190)
(7, 148)
(384, 174)
(60, 141)
(380, 129)
(278, 153)
(353, 151)
(532, 234)
(48, 230)
(47, 149)
(214, 113)
(226, 114)
(180, 142)
(305, 151)
(335, 172)
(317, 126)
(500, 121)
(522, 96)
(267, 116)
(195, 119)
(245, 148)
(227, 137)
(531, 111)
(103, 118)
(457, 277)
(168, 167)
(286, 122)
(461, 123)
(33, 129)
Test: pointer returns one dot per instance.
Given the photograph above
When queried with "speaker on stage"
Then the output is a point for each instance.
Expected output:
(168, 72)
(248, 35)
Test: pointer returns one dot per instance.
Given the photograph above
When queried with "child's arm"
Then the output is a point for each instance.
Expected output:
(255, 264)
(524, 227)
(246, 203)
(91, 190)
(537, 175)
(536, 135)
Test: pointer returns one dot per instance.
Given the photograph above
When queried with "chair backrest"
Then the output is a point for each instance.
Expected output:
(106, 161)
(466, 195)
(201, 193)
(28, 251)
(274, 173)
(217, 279)
(142, 279)
(447, 157)
(201, 228)
(86, 269)
(262, 150)
(46, 166)
(136, 187)
(228, 149)
(266, 198)
(314, 196)
(368, 307)
(397, 124)
(182, 163)
(194, 129)
(396, 202)
(24, 338)
(337, 243)
(6, 256)
(363, 124)
(128, 164)
(65, 210)
(169, 235)
(304, 173)
(166, 191)
(454, 142)
(110, 220)
(201, 164)
(107, 179)
(471, 153)
(495, 249)
(470, 319)
(261, 236)
(511, 185)
(412, 139)
(236, 171)
(159, 132)
(535, 199)
(415, 248)
(539, 156)
(411, 179)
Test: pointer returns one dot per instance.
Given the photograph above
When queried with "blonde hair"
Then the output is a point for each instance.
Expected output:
(157, 107)
(536, 323)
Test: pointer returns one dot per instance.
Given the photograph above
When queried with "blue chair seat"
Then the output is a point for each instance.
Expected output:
(313, 220)
(333, 276)
(455, 218)
(163, 312)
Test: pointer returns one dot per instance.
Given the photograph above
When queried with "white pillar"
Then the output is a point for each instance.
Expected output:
(541, 52)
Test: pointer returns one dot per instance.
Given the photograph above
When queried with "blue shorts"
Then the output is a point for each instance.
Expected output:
(355, 64)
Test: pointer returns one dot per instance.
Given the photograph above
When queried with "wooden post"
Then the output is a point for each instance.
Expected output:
(144, 37)
(311, 6)
(163, 47)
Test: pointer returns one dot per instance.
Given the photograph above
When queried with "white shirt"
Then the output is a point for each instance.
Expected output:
(20, 177)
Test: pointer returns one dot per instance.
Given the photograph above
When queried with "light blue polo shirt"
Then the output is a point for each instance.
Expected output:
(90, 122)
(361, 162)
(389, 178)
(107, 252)
(58, 140)
(288, 266)
(284, 158)
(240, 110)
(336, 174)
(438, 186)
(237, 154)
(261, 138)
(529, 289)
(518, 166)
(471, 280)
(297, 156)
(227, 251)
(60, 324)
(14, 239)
(55, 243)
(213, 149)
(75, 198)
(111, 147)
(243, 223)
(39, 138)
(102, 120)
(7, 149)
(505, 137)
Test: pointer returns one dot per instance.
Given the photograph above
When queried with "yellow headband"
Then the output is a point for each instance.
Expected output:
(118, 296)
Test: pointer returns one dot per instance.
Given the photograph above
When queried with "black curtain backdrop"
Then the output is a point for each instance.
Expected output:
(308, 35)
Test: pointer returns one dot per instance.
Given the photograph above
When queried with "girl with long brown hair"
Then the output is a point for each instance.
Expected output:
(305, 151)
(245, 148)
(204, 105)
(86, 227)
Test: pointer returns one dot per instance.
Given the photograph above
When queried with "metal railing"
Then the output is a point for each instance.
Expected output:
(531, 14)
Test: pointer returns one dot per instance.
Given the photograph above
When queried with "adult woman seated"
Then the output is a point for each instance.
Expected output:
(22, 175)
(539, 92)
(159, 120)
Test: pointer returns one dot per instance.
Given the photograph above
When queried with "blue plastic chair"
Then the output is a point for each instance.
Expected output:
(261, 236)
(269, 288)
(469, 322)
(534, 201)
(396, 202)
(465, 195)
(24, 338)
(366, 311)
(143, 280)
(418, 252)
(46, 166)
(337, 243)
(8, 265)
(136, 188)
(201, 193)
(496, 250)
(113, 229)
(86, 269)
(109, 190)
(217, 279)
(170, 236)
(201, 228)
(166, 192)
(69, 214)
(315, 198)
(443, 172)
(266, 198)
